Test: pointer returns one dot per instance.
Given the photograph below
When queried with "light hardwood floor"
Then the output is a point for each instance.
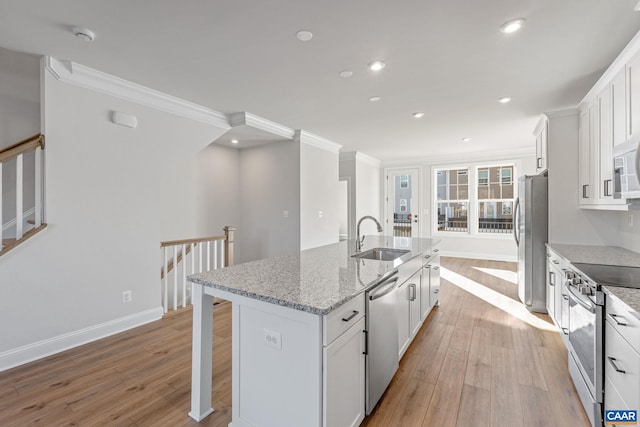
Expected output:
(472, 364)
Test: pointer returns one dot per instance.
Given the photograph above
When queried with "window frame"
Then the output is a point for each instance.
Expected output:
(472, 200)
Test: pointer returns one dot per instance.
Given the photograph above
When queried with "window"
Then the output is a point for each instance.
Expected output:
(404, 181)
(495, 199)
(452, 188)
(475, 199)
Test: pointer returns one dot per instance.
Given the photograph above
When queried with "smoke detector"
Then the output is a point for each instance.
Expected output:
(83, 34)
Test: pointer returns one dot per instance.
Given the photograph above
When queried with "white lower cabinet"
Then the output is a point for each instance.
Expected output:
(434, 283)
(344, 380)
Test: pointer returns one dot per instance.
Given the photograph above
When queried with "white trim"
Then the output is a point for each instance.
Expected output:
(260, 123)
(305, 137)
(47, 347)
(562, 113)
(88, 78)
(618, 64)
(483, 255)
(12, 223)
(348, 156)
(490, 155)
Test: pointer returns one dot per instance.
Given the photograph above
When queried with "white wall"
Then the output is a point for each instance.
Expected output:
(19, 119)
(629, 235)
(269, 185)
(113, 194)
(368, 191)
(19, 96)
(318, 193)
(218, 181)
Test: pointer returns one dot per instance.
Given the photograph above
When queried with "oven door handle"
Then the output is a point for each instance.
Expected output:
(590, 307)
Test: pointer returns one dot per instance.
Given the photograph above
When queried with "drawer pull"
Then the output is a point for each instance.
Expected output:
(614, 317)
(351, 316)
(612, 360)
(555, 261)
(436, 250)
(565, 331)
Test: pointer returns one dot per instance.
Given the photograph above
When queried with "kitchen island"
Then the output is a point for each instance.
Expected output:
(297, 325)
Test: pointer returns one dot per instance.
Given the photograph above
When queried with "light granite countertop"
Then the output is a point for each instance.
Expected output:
(605, 255)
(630, 297)
(316, 280)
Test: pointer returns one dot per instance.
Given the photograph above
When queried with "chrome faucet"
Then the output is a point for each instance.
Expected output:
(359, 241)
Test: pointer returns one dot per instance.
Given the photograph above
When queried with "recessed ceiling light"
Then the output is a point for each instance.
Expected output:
(346, 74)
(504, 100)
(375, 99)
(376, 65)
(234, 141)
(304, 35)
(466, 139)
(418, 114)
(512, 26)
(83, 34)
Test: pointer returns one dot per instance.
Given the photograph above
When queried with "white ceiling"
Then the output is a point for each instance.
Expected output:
(444, 57)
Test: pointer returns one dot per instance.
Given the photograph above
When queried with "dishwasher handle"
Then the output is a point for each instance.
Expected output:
(383, 289)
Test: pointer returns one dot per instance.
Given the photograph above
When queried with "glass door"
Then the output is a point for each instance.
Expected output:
(402, 203)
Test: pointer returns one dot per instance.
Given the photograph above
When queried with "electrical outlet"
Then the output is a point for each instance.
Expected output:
(127, 296)
(630, 220)
(320, 214)
(272, 339)
(285, 214)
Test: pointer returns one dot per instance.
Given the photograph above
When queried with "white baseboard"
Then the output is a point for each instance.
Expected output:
(28, 353)
(473, 255)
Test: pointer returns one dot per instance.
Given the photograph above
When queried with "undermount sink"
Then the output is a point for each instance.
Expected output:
(381, 254)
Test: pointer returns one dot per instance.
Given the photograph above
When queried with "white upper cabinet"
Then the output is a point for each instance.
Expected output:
(619, 108)
(633, 100)
(587, 136)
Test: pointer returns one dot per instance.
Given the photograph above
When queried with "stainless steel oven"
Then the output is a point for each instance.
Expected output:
(586, 310)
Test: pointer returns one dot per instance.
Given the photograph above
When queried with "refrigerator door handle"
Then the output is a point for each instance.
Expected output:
(515, 221)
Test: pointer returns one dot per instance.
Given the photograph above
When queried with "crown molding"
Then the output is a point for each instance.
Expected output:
(562, 113)
(88, 78)
(513, 154)
(260, 123)
(305, 137)
(618, 64)
(541, 123)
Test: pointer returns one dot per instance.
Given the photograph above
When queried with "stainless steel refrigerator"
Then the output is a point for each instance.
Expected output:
(530, 230)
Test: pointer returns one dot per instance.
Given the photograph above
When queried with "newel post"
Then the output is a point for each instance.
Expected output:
(228, 245)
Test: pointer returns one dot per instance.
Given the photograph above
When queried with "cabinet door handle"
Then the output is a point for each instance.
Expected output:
(351, 316)
(612, 361)
(414, 292)
(552, 281)
(565, 297)
(584, 191)
(555, 261)
(436, 250)
(607, 187)
(614, 317)
(427, 256)
(565, 331)
(436, 268)
(436, 291)
(539, 162)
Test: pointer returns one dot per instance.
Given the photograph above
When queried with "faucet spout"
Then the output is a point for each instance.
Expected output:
(360, 241)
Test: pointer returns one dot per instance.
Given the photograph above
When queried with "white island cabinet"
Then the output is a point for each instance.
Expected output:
(298, 344)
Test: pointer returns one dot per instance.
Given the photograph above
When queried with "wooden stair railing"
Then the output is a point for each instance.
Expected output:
(16, 151)
(181, 258)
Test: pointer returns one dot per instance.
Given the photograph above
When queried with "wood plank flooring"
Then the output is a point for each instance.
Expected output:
(472, 364)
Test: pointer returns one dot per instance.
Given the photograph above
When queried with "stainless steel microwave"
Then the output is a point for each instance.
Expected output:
(626, 164)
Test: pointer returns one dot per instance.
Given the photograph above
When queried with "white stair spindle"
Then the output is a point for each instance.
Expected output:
(19, 207)
(200, 270)
(193, 265)
(175, 277)
(1, 196)
(222, 264)
(215, 254)
(208, 255)
(38, 190)
(184, 275)
(165, 296)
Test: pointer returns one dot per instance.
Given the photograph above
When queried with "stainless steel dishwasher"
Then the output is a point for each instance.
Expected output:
(382, 338)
